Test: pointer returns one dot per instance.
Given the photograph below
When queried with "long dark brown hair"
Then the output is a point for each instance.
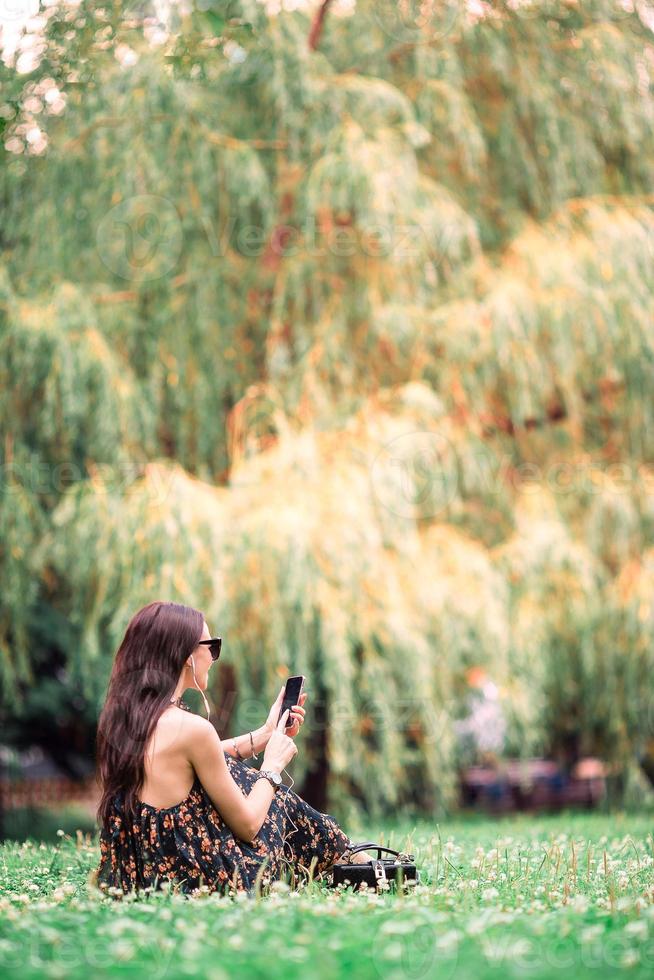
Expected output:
(148, 663)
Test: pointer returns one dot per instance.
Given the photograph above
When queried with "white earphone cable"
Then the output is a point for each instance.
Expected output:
(288, 859)
(206, 703)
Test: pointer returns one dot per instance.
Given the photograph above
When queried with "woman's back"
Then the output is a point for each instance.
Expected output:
(169, 775)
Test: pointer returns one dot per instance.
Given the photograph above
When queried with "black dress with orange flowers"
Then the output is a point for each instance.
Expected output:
(190, 845)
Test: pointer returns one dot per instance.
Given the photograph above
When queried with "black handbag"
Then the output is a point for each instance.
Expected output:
(379, 873)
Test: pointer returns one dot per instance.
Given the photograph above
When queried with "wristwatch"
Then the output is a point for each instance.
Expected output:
(273, 778)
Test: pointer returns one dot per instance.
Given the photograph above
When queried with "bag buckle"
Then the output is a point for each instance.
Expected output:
(381, 880)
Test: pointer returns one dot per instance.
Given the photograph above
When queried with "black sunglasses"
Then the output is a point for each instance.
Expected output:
(214, 646)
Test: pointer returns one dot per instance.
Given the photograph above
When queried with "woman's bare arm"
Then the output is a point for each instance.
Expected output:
(260, 738)
(243, 814)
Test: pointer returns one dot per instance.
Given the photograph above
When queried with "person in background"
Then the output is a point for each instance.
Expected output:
(482, 737)
(483, 730)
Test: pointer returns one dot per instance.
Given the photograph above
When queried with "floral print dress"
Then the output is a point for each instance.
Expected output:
(190, 844)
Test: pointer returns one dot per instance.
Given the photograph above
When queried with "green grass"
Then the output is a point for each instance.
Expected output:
(518, 897)
(41, 823)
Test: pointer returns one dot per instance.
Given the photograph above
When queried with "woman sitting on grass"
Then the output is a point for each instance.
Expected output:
(232, 827)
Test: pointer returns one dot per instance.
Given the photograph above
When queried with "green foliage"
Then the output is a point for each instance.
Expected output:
(349, 347)
(42, 824)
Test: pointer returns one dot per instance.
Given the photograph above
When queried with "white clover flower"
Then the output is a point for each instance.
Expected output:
(477, 926)
(591, 933)
(637, 928)
(123, 950)
(397, 926)
(449, 941)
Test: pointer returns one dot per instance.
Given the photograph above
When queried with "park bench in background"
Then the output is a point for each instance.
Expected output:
(533, 784)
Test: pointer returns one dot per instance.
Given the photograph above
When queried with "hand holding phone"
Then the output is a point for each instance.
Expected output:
(292, 692)
(279, 751)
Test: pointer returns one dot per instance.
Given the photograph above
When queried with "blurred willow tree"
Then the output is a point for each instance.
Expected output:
(337, 324)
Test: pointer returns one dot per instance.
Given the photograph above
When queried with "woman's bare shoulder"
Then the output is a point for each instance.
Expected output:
(188, 723)
(183, 723)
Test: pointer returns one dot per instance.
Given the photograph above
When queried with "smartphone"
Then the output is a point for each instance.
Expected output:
(292, 692)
